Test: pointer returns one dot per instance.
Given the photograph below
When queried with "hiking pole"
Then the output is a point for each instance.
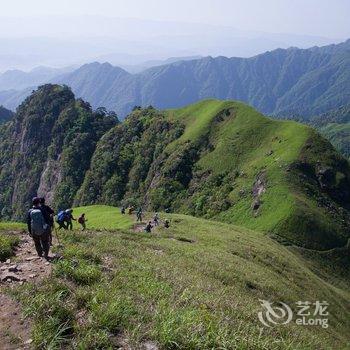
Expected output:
(58, 240)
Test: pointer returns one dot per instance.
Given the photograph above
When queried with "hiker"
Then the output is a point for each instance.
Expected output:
(82, 221)
(166, 223)
(122, 210)
(61, 220)
(156, 219)
(131, 209)
(48, 216)
(149, 227)
(139, 215)
(38, 229)
(68, 219)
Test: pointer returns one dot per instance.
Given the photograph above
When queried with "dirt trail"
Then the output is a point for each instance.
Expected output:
(139, 227)
(24, 267)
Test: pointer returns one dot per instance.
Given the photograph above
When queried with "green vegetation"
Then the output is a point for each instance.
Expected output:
(5, 115)
(335, 126)
(9, 241)
(104, 217)
(224, 160)
(214, 159)
(7, 244)
(49, 144)
(339, 135)
(8, 226)
(126, 287)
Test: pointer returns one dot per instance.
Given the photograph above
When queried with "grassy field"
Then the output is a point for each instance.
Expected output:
(103, 217)
(100, 217)
(8, 226)
(245, 143)
(196, 285)
(8, 241)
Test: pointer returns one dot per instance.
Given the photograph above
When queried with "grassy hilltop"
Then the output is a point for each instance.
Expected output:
(214, 159)
(224, 160)
(196, 285)
(104, 217)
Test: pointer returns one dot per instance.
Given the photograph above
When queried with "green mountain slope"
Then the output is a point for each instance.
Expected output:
(224, 160)
(48, 146)
(196, 285)
(339, 136)
(215, 159)
(5, 115)
(335, 126)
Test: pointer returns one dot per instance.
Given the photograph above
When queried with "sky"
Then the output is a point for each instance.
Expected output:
(326, 18)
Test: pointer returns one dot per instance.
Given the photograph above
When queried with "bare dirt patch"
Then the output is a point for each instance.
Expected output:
(24, 266)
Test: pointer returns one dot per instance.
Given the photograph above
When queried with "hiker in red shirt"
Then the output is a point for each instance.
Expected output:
(82, 221)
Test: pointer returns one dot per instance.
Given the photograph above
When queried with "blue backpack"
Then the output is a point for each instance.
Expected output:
(61, 216)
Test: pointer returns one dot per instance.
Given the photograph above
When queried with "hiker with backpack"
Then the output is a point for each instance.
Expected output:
(38, 229)
(61, 220)
(131, 210)
(68, 218)
(156, 219)
(122, 210)
(82, 221)
(48, 216)
(149, 227)
(139, 215)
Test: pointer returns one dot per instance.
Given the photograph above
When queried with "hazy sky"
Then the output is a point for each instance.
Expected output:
(329, 18)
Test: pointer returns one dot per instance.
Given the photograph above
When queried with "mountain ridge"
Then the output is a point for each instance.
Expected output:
(49, 142)
(215, 159)
(282, 82)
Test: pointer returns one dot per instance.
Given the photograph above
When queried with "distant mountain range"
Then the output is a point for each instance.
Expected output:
(291, 82)
(16, 79)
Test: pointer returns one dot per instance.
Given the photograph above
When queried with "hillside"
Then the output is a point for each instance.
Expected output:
(196, 285)
(339, 115)
(215, 159)
(5, 115)
(224, 160)
(48, 145)
(335, 126)
(339, 135)
(246, 182)
(282, 82)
